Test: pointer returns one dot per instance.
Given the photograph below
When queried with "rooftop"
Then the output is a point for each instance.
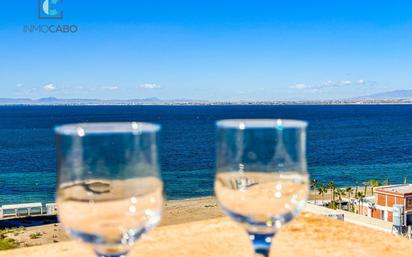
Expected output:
(21, 205)
(397, 189)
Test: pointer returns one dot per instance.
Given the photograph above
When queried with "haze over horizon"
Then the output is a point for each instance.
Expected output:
(232, 50)
(395, 96)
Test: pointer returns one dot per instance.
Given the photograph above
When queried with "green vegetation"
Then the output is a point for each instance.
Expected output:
(331, 186)
(322, 190)
(349, 192)
(337, 194)
(35, 235)
(5, 242)
(360, 197)
(314, 186)
(373, 183)
(8, 243)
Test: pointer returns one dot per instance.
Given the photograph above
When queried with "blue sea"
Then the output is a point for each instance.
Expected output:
(347, 144)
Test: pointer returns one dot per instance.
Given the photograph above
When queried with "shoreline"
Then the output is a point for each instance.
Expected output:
(174, 212)
(313, 195)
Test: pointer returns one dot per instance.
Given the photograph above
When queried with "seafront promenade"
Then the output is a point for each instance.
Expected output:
(351, 217)
(23, 210)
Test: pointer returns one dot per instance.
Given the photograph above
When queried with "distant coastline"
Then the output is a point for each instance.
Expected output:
(389, 97)
(188, 102)
(234, 103)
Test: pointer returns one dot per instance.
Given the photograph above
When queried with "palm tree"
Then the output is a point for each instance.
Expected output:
(360, 196)
(322, 189)
(373, 183)
(356, 189)
(349, 192)
(332, 188)
(314, 186)
(340, 192)
(366, 184)
(357, 198)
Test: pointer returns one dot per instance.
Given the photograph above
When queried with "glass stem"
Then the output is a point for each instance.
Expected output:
(261, 243)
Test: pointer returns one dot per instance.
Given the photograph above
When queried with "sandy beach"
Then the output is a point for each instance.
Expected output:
(175, 212)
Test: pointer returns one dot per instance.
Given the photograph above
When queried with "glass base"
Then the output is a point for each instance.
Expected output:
(261, 243)
(261, 233)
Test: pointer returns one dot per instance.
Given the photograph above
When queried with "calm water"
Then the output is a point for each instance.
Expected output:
(346, 144)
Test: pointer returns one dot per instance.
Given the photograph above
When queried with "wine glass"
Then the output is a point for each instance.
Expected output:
(109, 190)
(261, 178)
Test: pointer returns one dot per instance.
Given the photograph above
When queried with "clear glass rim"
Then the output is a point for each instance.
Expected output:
(261, 123)
(88, 128)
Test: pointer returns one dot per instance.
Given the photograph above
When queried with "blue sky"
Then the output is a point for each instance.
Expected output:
(213, 50)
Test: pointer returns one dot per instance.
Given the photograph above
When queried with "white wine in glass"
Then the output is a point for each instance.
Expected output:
(109, 187)
(261, 179)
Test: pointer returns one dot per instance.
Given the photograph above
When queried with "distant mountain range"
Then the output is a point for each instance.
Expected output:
(79, 101)
(390, 95)
(401, 96)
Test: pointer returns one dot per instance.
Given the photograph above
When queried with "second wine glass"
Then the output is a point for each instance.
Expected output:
(261, 180)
